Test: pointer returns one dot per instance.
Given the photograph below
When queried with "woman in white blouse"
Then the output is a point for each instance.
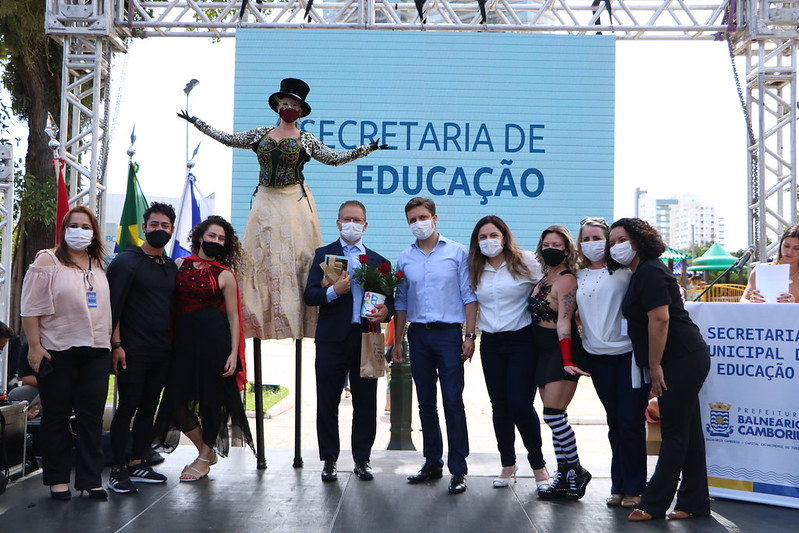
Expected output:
(66, 314)
(616, 377)
(502, 277)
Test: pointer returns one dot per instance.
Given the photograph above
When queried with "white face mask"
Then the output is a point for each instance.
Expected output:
(422, 229)
(78, 238)
(491, 247)
(351, 231)
(623, 253)
(593, 250)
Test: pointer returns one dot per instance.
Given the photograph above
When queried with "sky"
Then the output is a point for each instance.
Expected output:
(679, 124)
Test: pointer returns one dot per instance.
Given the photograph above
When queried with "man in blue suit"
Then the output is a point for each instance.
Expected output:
(338, 344)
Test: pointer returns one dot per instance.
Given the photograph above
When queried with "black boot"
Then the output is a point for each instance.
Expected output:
(578, 478)
(559, 486)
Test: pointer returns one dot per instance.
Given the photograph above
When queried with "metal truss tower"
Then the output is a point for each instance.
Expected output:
(764, 31)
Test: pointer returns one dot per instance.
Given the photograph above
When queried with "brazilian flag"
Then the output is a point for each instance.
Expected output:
(130, 232)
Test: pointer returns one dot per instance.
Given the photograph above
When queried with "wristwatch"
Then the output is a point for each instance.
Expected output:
(472, 336)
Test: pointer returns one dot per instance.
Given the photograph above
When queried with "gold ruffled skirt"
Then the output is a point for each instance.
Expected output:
(280, 238)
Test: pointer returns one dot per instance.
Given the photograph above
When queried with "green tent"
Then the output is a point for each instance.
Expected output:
(715, 258)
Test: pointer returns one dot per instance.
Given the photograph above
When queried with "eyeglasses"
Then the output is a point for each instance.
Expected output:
(595, 220)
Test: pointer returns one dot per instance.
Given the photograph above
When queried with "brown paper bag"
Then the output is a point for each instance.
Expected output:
(373, 360)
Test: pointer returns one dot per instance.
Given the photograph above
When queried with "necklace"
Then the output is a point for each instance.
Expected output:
(588, 289)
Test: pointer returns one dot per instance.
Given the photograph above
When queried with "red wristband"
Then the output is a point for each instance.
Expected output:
(566, 351)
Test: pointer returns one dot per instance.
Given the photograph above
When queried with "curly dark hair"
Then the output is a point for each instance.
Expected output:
(648, 242)
(232, 255)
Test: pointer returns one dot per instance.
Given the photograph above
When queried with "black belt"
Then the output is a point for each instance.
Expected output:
(437, 325)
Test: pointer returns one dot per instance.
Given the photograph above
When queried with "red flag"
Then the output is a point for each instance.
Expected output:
(62, 203)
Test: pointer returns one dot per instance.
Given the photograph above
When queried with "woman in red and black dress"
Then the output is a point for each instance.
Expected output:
(203, 392)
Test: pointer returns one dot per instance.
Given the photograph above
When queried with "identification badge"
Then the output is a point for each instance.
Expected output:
(624, 327)
(91, 299)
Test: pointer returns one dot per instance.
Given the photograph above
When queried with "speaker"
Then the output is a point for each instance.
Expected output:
(13, 438)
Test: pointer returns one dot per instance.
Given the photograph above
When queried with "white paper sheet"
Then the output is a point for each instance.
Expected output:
(772, 280)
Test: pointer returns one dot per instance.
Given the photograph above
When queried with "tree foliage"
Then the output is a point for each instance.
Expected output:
(31, 64)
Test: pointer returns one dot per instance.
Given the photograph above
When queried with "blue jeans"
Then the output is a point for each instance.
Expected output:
(625, 408)
(509, 362)
(436, 354)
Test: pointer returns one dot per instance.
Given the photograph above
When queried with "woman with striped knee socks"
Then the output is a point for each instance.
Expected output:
(552, 305)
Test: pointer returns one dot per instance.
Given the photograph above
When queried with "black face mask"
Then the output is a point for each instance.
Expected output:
(157, 238)
(213, 249)
(552, 256)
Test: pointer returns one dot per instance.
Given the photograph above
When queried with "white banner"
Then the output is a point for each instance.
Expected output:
(750, 401)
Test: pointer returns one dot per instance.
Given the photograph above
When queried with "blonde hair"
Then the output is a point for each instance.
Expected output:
(571, 256)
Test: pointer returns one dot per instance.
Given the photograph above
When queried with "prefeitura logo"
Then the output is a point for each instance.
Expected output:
(719, 425)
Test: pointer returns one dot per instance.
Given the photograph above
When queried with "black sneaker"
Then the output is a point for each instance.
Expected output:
(143, 473)
(119, 482)
(578, 481)
(558, 486)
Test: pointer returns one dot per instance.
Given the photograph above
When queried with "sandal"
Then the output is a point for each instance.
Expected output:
(190, 473)
(630, 501)
(638, 516)
(614, 500)
(545, 483)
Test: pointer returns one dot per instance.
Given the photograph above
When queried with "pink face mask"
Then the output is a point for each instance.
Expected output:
(288, 114)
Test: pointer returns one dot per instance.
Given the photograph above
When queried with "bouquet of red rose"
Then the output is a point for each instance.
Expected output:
(381, 279)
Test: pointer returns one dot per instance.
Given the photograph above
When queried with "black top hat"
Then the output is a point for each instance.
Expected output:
(292, 88)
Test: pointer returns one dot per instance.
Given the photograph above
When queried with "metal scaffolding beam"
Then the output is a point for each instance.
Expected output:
(6, 228)
(6, 238)
(625, 19)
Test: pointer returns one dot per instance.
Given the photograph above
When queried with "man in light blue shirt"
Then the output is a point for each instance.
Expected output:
(437, 299)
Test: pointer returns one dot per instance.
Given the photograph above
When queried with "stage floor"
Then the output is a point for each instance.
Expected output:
(238, 497)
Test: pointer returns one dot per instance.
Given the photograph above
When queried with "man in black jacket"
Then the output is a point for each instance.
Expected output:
(338, 344)
(142, 281)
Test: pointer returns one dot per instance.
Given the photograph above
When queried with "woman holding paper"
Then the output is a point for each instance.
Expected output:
(667, 342)
(787, 254)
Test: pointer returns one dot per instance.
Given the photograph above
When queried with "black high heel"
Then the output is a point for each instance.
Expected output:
(61, 495)
(96, 494)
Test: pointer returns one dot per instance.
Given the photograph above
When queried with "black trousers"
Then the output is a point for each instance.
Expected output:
(624, 406)
(509, 363)
(140, 386)
(333, 361)
(79, 384)
(682, 451)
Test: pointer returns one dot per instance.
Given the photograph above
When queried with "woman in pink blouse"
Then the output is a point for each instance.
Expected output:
(66, 314)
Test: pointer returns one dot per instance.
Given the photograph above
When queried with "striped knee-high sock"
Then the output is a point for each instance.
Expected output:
(563, 439)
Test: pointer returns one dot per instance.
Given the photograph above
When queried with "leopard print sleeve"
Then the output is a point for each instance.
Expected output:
(244, 139)
(324, 154)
